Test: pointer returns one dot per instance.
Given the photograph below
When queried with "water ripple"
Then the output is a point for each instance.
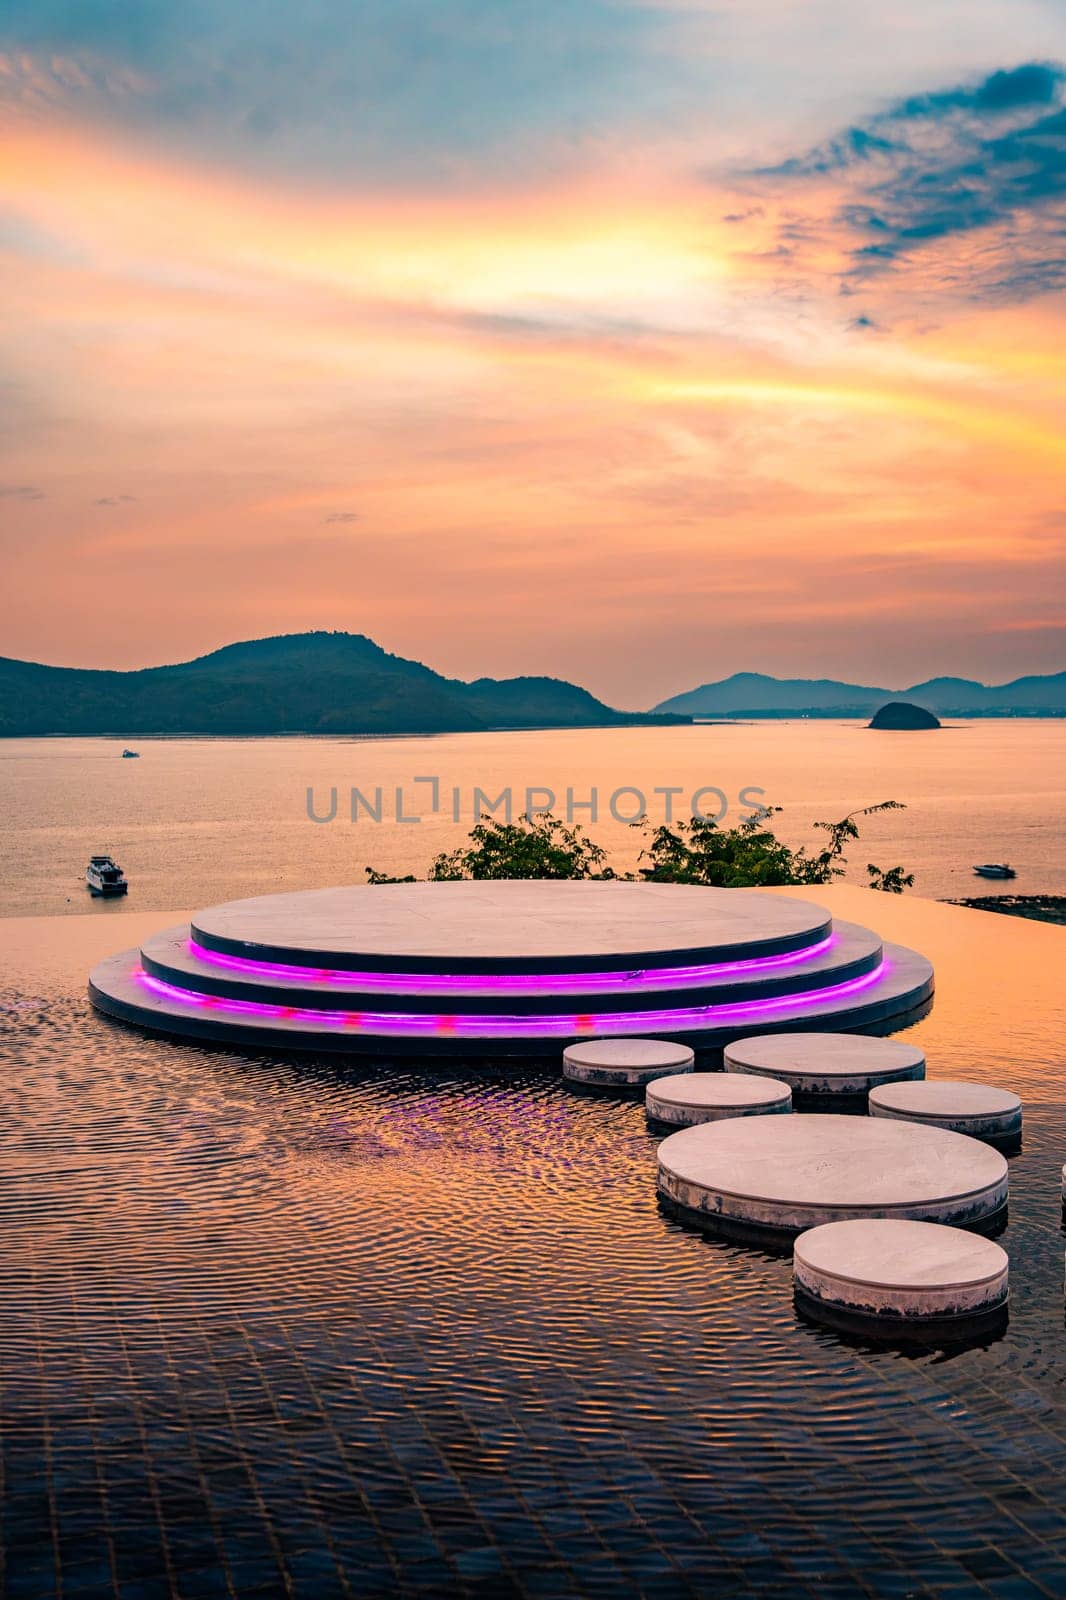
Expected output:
(258, 1310)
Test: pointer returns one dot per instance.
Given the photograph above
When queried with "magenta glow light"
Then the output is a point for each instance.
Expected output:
(517, 983)
(406, 1025)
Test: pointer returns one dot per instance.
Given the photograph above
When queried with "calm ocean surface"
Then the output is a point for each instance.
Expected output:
(196, 821)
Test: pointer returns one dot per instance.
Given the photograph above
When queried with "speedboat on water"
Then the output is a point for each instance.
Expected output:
(995, 869)
(105, 876)
(131, 755)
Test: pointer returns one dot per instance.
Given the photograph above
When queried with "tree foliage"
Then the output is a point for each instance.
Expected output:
(696, 850)
(533, 847)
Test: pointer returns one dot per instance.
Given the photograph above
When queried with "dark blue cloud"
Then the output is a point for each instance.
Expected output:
(1036, 83)
(941, 166)
(851, 146)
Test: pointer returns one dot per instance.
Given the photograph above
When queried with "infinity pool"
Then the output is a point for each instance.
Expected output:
(283, 1327)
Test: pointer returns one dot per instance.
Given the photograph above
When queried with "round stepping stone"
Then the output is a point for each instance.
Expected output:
(825, 1063)
(790, 1173)
(708, 1096)
(624, 1063)
(974, 1108)
(899, 1271)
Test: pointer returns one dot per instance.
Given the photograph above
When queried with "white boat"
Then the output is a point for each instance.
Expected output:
(105, 876)
(995, 869)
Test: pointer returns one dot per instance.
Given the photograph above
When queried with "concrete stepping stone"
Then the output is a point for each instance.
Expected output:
(899, 1271)
(978, 1109)
(789, 1173)
(825, 1063)
(709, 1096)
(624, 1063)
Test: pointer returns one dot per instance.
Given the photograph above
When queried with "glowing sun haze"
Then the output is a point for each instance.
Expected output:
(633, 343)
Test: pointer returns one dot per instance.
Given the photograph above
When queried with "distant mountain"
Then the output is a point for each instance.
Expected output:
(754, 694)
(1024, 695)
(333, 683)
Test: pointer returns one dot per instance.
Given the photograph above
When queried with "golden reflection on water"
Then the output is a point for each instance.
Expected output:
(198, 821)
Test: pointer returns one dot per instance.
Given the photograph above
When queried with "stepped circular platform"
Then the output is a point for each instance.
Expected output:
(510, 968)
(785, 1174)
(978, 1109)
(624, 1063)
(896, 1272)
(826, 1063)
(709, 1096)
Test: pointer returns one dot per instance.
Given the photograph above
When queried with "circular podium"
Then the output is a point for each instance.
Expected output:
(511, 968)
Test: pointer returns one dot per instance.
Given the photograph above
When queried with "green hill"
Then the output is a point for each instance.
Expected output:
(331, 683)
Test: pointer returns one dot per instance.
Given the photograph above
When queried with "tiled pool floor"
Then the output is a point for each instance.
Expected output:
(274, 1327)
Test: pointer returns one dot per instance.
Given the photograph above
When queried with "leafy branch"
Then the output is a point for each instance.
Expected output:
(697, 851)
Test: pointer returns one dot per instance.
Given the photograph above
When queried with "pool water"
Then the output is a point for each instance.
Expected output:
(279, 1326)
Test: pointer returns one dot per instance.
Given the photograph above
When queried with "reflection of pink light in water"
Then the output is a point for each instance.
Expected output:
(404, 1024)
(509, 983)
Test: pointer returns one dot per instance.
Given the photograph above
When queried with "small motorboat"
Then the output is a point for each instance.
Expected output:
(105, 876)
(131, 755)
(995, 869)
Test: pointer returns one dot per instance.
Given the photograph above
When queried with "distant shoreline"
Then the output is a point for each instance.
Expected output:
(1034, 907)
(162, 735)
(627, 720)
(860, 716)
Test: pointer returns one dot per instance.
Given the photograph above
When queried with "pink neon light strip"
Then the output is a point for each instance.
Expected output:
(404, 1024)
(517, 983)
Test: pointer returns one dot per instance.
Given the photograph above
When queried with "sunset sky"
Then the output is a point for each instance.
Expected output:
(632, 343)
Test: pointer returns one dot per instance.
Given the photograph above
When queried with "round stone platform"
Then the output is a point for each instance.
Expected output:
(511, 968)
(624, 1063)
(826, 1063)
(898, 1272)
(709, 1096)
(516, 925)
(789, 1173)
(849, 952)
(978, 1109)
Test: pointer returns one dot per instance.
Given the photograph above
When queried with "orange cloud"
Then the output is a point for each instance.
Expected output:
(553, 409)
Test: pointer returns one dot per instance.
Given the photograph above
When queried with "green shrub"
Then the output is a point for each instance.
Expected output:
(697, 850)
